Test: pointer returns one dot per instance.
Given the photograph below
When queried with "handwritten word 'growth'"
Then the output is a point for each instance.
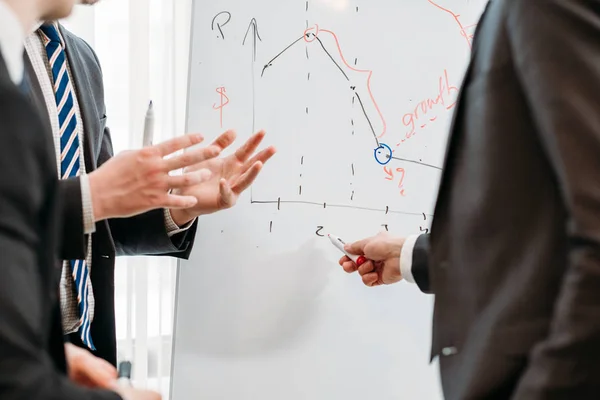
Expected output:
(427, 110)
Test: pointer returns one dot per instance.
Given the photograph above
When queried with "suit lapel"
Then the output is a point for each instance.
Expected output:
(85, 99)
(35, 92)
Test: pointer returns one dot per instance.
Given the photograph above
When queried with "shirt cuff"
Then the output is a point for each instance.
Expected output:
(89, 226)
(172, 228)
(406, 258)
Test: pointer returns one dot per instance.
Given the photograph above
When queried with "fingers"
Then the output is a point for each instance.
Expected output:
(178, 143)
(343, 260)
(225, 140)
(247, 178)
(101, 373)
(227, 197)
(244, 152)
(192, 157)
(263, 156)
(371, 279)
(176, 201)
(349, 266)
(366, 268)
(189, 179)
(357, 248)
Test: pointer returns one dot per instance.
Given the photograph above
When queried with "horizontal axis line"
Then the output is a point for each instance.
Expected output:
(325, 205)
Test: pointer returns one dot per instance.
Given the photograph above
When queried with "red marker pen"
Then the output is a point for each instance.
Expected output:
(339, 243)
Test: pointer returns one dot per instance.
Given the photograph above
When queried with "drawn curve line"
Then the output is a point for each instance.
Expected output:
(463, 29)
(339, 47)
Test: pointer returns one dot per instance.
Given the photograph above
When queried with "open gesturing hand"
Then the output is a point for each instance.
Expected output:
(230, 177)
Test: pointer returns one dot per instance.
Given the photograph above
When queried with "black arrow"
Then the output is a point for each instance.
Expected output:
(255, 35)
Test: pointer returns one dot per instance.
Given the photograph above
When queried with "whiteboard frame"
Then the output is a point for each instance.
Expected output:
(178, 268)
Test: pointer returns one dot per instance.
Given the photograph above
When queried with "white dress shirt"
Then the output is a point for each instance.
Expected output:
(12, 35)
(37, 54)
(406, 257)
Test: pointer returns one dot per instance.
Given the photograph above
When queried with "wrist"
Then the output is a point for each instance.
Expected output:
(99, 205)
(181, 217)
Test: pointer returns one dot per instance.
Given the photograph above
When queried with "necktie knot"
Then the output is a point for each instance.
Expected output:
(51, 33)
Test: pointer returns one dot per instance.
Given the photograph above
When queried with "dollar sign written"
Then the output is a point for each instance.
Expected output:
(224, 100)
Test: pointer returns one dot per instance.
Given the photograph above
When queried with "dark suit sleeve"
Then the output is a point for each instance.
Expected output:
(26, 369)
(145, 234)
(74, 239)
(420, 263)
(556, 48)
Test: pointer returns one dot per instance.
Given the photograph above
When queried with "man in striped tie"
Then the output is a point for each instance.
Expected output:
(98, 191)
(32, 362)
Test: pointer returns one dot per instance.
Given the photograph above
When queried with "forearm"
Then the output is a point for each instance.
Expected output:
(147, 234)
(73, 244)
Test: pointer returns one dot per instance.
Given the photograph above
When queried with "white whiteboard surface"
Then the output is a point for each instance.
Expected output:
(263, 310)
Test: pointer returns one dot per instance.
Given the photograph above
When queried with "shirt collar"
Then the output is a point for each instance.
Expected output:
(12, 36)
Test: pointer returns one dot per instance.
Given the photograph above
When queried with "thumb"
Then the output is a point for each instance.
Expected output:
(226, 194)
(357, 248)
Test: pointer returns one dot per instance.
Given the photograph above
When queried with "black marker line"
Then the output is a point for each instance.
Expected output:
(415, 162)
(368, 119)
(271, 227)
(255, 35)
(331, 57)
(267, 65)
(352, 196)
(212, 25)
(312, 203)
(352, 169)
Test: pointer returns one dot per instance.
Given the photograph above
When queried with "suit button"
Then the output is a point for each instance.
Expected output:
(449, 351)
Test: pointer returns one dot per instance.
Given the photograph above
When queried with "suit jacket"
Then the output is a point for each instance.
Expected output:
(514, 252)
(144, 234)
(32, 359)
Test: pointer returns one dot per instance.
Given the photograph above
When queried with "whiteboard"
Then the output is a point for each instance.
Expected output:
(357, 96)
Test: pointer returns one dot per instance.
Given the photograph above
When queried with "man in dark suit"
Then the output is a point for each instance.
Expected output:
(161, 231)
(514, 252)
(33, 364)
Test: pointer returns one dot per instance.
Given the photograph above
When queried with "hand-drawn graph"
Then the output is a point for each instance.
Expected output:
(384, 143)
(382, 152)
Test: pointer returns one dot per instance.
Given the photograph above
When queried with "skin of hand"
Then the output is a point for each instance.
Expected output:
(88, 370)
(137, 181)
(230, 177)
(129, 393)
(383, 254)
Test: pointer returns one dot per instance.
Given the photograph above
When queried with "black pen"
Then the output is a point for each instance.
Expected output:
(124, 373)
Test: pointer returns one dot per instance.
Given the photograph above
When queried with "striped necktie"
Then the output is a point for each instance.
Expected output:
(69, 157)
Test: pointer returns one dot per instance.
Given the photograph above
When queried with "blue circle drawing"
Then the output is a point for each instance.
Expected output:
(383, 154)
